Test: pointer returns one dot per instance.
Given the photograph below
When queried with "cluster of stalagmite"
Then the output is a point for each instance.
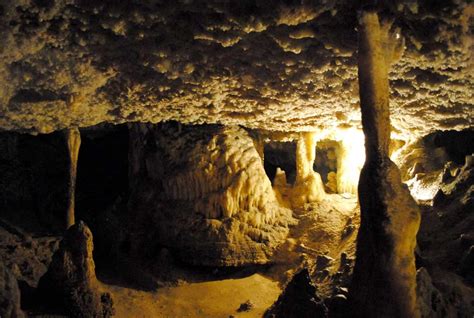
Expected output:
(211, 198)
(384, 279)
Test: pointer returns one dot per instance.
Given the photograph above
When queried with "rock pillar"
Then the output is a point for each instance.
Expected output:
(73, 139)
(308, 186)
(384, 279)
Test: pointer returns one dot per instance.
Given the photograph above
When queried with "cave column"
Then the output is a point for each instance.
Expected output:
(305, 155)
(73, 140)
(308, 186)
(384, 278)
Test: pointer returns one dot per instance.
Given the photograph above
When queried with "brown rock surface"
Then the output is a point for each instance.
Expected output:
(70, 282)
(384, 278)
(9, 294)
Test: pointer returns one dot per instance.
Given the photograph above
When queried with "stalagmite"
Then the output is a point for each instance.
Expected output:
(71, 284)
(308, 186)
(73, 139)
(384, 278)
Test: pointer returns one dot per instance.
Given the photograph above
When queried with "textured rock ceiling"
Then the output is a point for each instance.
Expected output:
(275, 65)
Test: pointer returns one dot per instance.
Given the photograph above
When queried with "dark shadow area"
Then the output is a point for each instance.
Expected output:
(33, 181)
(280, 155)
(326, 158)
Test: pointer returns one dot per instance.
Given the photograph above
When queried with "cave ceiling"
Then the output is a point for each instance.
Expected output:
(273, 65)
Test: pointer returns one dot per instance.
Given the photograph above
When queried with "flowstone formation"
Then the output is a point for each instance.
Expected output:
(70, 284)
(384, 278)
(203, 191)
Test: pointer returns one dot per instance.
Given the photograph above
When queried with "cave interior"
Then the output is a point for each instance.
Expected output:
(271, 159)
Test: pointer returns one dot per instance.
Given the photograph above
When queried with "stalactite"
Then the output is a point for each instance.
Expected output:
(384, 279)
(73, 139)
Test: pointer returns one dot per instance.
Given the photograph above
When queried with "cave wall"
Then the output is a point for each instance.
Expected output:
(427, 160)
(203, 191)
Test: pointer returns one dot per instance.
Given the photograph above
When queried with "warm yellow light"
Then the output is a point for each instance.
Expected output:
(350, 160)
(426, 187)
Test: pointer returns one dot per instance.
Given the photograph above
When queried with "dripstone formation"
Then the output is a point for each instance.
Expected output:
(203, 192)
(384, 278)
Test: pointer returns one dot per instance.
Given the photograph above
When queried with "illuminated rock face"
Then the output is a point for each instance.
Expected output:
(203, 191)
(428, 162)
(308, 186)
(350, 160)
(384, 279)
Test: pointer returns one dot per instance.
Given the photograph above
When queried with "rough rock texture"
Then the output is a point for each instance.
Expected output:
(430, 161)
(298, 300)
(279, 65)
(430, 300)
(384, 277)
(445, 242)
(203, 191)
(27, 258)
(70, 282)
(9, 294)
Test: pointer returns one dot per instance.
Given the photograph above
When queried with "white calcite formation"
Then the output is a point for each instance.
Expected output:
(276, 65)
(308, 186)
(350, 159)
(204, 192)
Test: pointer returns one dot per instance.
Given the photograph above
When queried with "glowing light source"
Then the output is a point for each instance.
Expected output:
(350, 160)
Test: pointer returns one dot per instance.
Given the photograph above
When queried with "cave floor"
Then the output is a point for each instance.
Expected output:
(326, 228)
(220, 298)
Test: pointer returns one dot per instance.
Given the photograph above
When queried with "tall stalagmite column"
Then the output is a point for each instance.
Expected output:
(384, 277)
(73, 139)
(308, 186)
